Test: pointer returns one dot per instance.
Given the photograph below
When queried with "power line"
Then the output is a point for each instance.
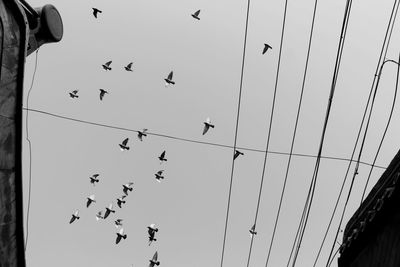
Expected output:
(354, 149)
(192, 140)
(236, 133)
(310, 196)
(269, 130)
(30, 150)
(294, 131)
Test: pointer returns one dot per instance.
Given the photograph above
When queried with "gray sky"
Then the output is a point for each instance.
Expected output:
(189, 205)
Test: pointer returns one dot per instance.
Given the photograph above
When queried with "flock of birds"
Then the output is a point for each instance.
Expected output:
(128, 187)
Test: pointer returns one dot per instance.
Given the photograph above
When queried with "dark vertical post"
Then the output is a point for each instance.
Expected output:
(13, 38)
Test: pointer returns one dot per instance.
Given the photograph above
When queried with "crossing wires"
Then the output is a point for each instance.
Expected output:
(294, 132)
(383, 52)
(308, 204)
(269, 129)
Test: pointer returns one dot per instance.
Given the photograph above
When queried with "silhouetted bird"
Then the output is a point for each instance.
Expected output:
(159, 175)
(141, 134)
(118, 223)
(109, 209)
(75, 216)
(154, 260)
(124, 145)
(169, 80)
(96, 11)
(207, 125)
(121, 201)
(94, 179)
(129, 67)
(162, 157)
(266, 47)
(74, 94)
(99, 216)
(106, 65)
(120, 235)
(237, 153)
(152, 231)
(102, 93)
(196, 14)
(90, 200)
(127, 187)
(253, 230)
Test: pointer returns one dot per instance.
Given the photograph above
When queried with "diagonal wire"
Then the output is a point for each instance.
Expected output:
(294, 131)
(236, 133)
(310, 196)
(269, 129)
(382, 53)
(30, 150)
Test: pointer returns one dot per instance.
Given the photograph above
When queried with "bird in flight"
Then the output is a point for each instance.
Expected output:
(253, 230)
(99, 216)
(127, 187)
(207, 125)
(75, 216)
(121, 201)
(141, 134)
(162, 157)
(159, 176)
(94, 179)
(109, 209)
(102, 93)
(124, 145)
(169, 80)
(118, 223)
(74, 94)
(96, 11)
(90, 200)
(106, 66)
(151, 230)
(266, 47)
(154, 260)
(237, 154)
(129, 67)
(196, 14)
(120, 235)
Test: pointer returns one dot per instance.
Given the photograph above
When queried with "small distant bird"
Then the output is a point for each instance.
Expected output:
(141, 134)
(94, 179)
(159, 175)
(121, 201)
(196, 14)
(106, 65)
(124, 145)
(109, 209)
(99, 216)
(169, 80)
(96, 11)
(127, 187)
(129, 67)
(237, 154)
(162, 157)
(207, 125)
(90, 200)
(253, 230)
(75, 216)
(102, 93)
(120, 235)
(154, 260)
(118, 223)
(266, 47)
(152, 231)
(74, 94)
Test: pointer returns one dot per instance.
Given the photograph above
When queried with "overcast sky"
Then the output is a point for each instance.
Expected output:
(189, 205)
